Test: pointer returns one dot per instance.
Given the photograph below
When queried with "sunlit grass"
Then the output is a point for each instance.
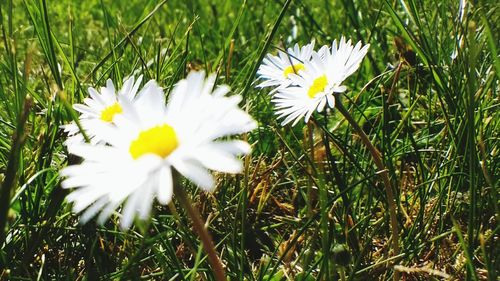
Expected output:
(310, 204)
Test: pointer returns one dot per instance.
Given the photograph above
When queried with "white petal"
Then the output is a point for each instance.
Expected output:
(85, 109)
(218, 160)
(165, 185)
(91, 211)
(331, 100)
(146, 200)
(106, 212)
(96, 96)
(196, 174)
(129, 210)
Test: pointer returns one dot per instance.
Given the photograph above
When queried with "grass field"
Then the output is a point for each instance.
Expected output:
(310, 203)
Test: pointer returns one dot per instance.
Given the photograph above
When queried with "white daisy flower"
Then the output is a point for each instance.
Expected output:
(148, 140)
(275, 70)
(315, 86)
(99, 110)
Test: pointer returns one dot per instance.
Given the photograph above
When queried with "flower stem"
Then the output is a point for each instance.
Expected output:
(199, 227)
(377, 158)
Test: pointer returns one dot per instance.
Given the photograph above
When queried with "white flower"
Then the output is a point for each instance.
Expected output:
(276, 70)
(148, 140)
(99, 110)
(314, 87)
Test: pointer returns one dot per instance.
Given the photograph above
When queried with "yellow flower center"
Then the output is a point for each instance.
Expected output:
(293, 69)
(160, 140)
(318, 86)
(109, 112)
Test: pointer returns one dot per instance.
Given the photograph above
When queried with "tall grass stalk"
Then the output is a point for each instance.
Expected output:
(382, 172)
(8, 184)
